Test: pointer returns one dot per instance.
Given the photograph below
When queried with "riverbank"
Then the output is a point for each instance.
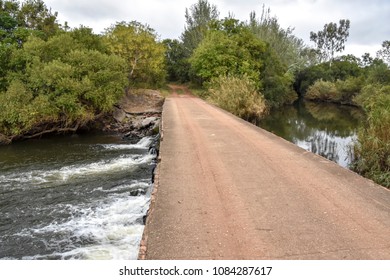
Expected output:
(137, 115)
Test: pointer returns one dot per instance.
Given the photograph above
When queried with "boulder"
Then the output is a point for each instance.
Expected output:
(147, 122)
(119, 115)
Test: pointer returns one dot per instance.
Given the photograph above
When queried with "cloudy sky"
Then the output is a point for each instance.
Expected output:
(370, 19)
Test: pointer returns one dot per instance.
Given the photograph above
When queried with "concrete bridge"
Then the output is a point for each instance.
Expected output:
(229, 190)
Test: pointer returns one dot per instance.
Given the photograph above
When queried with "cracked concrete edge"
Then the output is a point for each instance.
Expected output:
(142, 253)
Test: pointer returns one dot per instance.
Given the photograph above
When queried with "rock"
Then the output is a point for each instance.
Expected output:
(119, 115)
(148, 122)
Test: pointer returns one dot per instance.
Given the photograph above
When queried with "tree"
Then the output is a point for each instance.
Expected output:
(138, 45)
(84, 35)
(198, 18)
(176, 62)
(34, 15)
(366, 60)
(331, 39)
(384, 53)
(231, 49)
(290, 49)
(8, 21)
(228, 49)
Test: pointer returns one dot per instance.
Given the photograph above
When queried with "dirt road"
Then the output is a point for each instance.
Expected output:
(230, 190)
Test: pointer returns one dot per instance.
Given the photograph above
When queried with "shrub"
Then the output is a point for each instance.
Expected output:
(237, 95)
(349, 89)
(323, 91)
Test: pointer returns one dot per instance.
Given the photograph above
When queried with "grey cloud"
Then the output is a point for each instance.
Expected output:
(85, 9)
(369, 19)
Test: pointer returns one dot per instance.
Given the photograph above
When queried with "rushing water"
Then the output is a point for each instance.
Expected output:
(328, 130)
(74, 197)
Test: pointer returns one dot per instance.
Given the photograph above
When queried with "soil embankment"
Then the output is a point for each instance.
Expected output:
(230, 190)
(137, 114)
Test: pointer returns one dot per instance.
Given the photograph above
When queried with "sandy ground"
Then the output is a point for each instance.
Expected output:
(230, 190)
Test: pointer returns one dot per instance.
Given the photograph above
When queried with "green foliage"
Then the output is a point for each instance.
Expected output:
(176, 61)
(85, 37)
(349, 89)
(341, 92)
(21, 111)
(238, 95)
(276, 81)
(221, 53)
(331, 39)
(378, 73)
(34, 15)
(138, 45)
(8, 21)
(323, 91)
(59, 82)
(308, 76)
(17, 23)
(198, 18)
(340, 70)
(54, 79)
(290, 50)
(230, 48)
(373, 147)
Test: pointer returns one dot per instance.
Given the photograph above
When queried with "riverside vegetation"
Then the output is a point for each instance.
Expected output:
(54, 78)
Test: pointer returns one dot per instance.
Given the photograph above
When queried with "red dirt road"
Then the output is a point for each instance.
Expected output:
(230, 190)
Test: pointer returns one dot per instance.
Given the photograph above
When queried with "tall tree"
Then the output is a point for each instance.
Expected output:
(198, 18)
(366, 60)
(35, 15)
(287, 47)
(138, 45)
(331, 39)
(8, 22)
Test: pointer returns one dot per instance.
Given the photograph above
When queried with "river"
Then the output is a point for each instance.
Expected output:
(80, 197)
(325, 129)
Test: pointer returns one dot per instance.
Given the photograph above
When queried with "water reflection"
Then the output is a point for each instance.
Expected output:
(328, 130)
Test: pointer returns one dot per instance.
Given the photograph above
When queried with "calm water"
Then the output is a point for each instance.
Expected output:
(74, 197)
(328, 130)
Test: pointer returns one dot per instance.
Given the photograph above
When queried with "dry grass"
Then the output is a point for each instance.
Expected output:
(237, 95)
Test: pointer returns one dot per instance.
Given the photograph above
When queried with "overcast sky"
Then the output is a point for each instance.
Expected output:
(370, 19)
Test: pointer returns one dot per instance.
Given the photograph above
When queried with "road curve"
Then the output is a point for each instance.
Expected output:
(230, 190)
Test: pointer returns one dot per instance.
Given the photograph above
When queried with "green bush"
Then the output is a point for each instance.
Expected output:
(340, 70)
(342, 92)
(57, 88)
(237, 95)
(349, 89)
(323, 91)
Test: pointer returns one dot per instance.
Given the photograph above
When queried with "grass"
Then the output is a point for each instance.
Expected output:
(373, 147)
(237, 95)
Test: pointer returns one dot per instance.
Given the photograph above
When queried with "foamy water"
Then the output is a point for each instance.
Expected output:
(88, 210)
